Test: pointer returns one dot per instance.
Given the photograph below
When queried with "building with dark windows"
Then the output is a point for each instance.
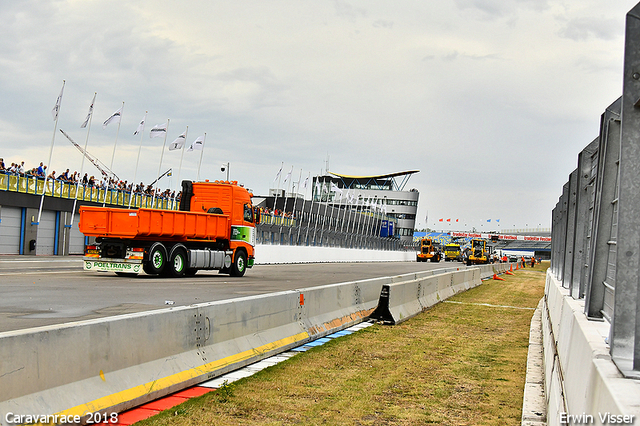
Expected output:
(384, 194)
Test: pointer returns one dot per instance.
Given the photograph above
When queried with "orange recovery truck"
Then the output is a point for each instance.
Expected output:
(214, 229)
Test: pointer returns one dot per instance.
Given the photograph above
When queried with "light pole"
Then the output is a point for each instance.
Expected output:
(225, 166)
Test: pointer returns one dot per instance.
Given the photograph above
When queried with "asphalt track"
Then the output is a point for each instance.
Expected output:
(40, 291)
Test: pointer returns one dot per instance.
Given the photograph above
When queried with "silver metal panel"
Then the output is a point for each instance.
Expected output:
(625, 333)
(605, 194)
(46, 233)
(10, 220)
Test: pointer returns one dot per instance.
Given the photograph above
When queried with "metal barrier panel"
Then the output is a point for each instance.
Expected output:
(588, 165)
(625, 333)
(603, 213)
(570, 231)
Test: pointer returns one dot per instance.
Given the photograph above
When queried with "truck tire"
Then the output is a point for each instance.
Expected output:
(177, 262)
(157, 259)
(239, 265)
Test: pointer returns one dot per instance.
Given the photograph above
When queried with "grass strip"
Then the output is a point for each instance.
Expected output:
(454, 364)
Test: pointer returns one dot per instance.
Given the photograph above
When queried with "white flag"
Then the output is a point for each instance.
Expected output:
(115, 118)
(197, 145)
(335, 188)
(179, 142)
(306, 180)
(140, 128)
(278, 174)
(56, 108)
(287, 176)
(158, 131)
(86, 120)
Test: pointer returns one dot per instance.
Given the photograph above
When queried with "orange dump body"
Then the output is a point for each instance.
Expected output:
(153, 224)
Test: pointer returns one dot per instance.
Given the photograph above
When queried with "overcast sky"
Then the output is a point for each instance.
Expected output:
(492, 100)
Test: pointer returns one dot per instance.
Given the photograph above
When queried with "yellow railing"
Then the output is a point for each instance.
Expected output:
(276, 220)
(61, 189)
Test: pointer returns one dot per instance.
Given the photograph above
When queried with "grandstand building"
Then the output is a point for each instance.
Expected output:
(379, 193)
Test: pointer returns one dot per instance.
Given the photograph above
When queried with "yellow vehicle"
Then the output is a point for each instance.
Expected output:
(452, 252)
(478, 253)
(428, 251)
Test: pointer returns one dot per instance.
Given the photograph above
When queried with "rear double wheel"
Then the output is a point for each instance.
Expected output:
(177, 262)
(157, 259)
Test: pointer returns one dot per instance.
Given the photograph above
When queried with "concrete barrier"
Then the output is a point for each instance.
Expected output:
(407, 295)
(113, 364)
(580, 377)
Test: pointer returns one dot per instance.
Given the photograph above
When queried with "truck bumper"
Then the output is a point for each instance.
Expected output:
(112, 265)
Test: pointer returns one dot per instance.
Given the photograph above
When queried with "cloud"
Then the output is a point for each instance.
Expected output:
(584, 28)
(495, 9)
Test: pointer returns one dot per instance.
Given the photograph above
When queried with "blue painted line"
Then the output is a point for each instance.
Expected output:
(301, 348)
(340, 334)
(318, 342)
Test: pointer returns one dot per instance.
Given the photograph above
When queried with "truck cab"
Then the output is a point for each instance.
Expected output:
(478, 253)
(428, 251)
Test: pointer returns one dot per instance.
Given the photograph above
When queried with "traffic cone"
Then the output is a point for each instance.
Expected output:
(508, 272)
(511, 268)
(496, 277)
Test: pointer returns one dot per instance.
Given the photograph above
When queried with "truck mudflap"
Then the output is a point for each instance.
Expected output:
(111, 265)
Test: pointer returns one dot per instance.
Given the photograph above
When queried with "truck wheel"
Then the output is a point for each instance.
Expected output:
(239, 265)
(177, 263)
(157, 259)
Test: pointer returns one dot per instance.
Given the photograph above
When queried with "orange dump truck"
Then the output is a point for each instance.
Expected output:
(213, 229)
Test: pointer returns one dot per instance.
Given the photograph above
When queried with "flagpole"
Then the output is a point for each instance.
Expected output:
(113, 155)
(315, 225)
(275, 200)
(53, 138)
(201, 154)
(181, 157)
(284, 207)
(86, 141)
(357, 225)
(304, 203)
(295, 201)
(324, 217)
(153, 199)
(344, 216)
(135, 172)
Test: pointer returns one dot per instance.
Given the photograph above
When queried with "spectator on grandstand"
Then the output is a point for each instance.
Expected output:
(21, 170)
(52, 175)
(64, 176)
(2, 167)
(40, 172)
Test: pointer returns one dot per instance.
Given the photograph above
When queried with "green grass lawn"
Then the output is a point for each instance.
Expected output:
(454, 364)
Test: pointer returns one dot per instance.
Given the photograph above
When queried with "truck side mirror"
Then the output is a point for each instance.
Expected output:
(256, 215)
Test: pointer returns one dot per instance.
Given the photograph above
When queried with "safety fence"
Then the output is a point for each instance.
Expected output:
(61, 189)
(595, 260)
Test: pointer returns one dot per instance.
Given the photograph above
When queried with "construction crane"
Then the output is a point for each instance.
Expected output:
(106, 172)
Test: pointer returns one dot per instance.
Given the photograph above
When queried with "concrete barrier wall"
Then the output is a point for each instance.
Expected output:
(120, 362)
(580, 377)
(116, 363)
(409, 295)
